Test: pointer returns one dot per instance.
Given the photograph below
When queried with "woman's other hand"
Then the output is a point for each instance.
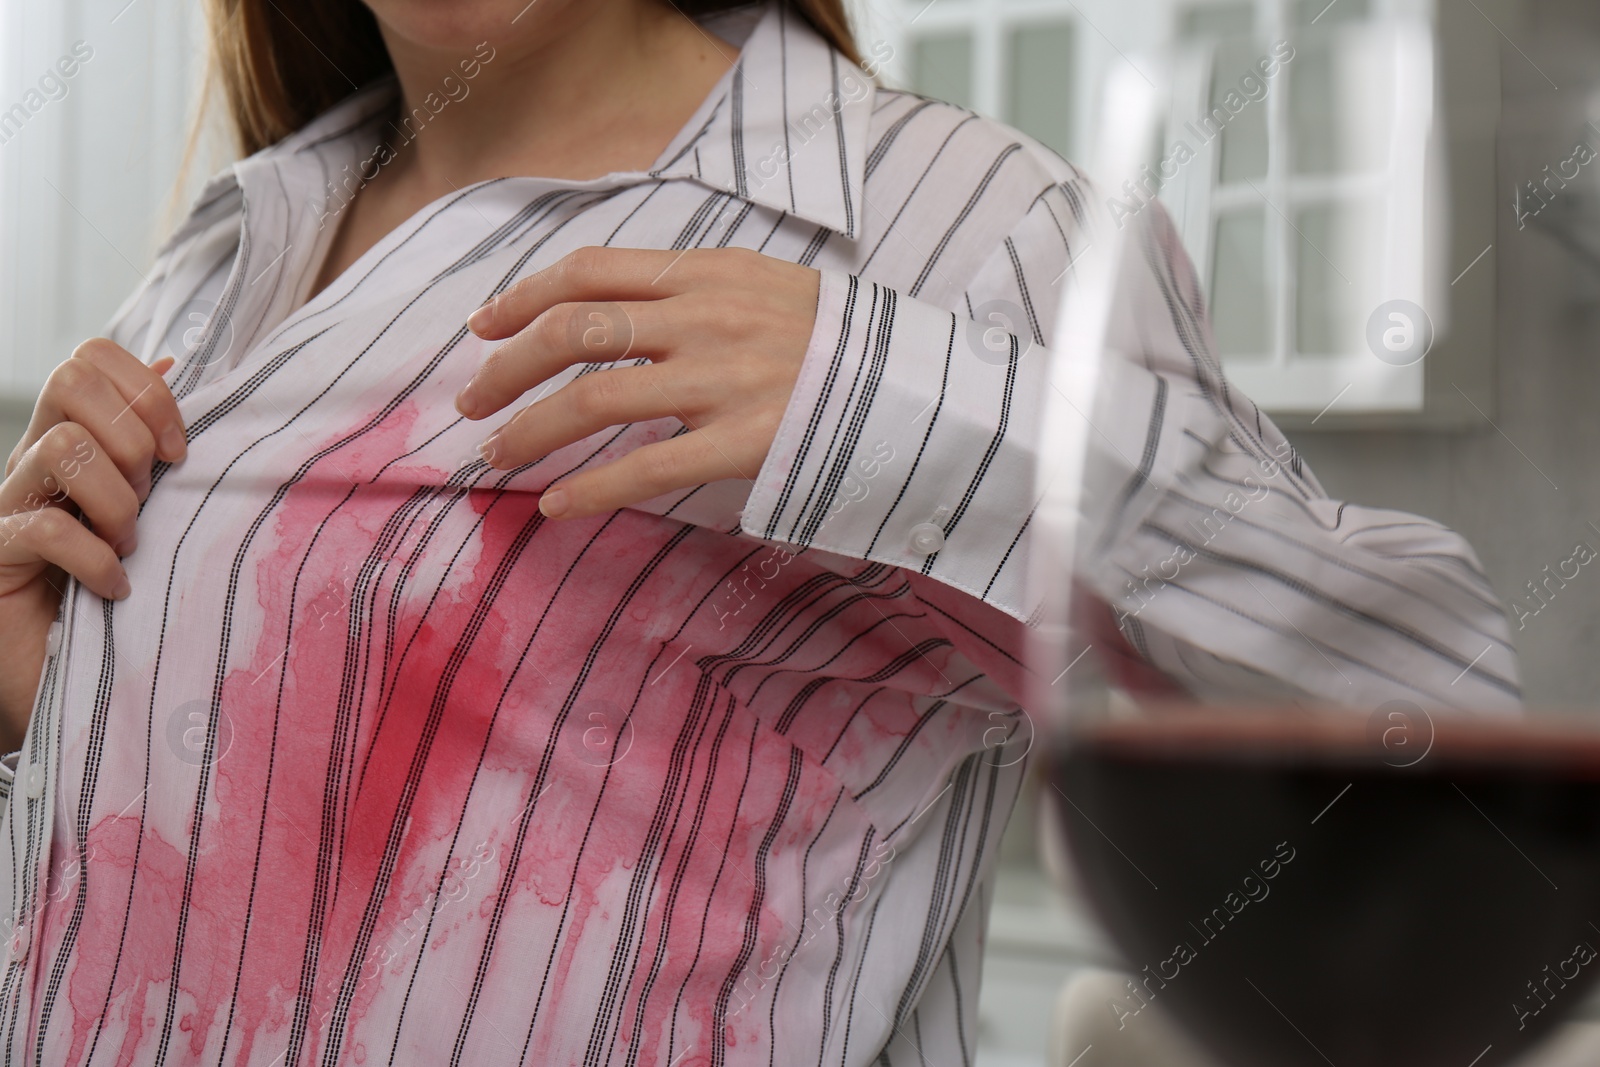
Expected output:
(100, 423)
(725, 330)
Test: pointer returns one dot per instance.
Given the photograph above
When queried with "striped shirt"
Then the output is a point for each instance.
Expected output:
(377, 765)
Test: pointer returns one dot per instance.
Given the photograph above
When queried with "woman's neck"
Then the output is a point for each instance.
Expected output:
(576, 90)
(586, 88)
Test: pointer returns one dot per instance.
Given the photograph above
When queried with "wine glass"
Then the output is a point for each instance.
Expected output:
(1297, 886)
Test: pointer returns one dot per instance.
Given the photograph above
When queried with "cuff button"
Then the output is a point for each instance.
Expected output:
(926, 539)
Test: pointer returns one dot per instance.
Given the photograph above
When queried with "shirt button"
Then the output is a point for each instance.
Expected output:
(33, 781)
(926, 539)
(52, 639)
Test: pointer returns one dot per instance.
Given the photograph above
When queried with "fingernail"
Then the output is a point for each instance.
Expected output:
(162, 365)
(123, 589)
(479, 320)
(487, 449)
(554, 503)
(173, 444)
(467, 399)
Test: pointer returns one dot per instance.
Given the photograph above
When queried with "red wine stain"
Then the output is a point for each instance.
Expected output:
(267, 790)
(146, 946)
(405, 744)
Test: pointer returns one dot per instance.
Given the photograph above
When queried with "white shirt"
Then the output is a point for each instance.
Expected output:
(377, 765)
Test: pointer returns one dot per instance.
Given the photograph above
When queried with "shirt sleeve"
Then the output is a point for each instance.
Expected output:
(913, 439)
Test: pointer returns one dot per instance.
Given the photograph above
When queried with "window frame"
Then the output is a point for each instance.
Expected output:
(1282, 379)
(1453, 206)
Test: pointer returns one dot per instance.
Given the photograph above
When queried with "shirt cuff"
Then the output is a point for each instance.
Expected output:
(912, 439)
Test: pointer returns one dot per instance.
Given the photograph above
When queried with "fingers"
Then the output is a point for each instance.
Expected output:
(597, 274)
(648, 472)
(561, 336)
(725, 333)
(586, 406)
(66, 464)
(56, 537)
(143, 390)
(126, 407)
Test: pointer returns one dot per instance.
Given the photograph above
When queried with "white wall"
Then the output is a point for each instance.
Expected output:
(87, 174)
(87, 164)
(1524, 494)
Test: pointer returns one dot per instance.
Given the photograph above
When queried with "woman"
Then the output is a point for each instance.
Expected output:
(456, 700)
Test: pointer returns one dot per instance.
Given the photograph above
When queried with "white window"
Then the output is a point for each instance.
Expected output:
(1016, 60)
(1306, 205)
(1315, 205)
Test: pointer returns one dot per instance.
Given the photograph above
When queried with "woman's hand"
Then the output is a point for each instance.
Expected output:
(99, 424)
(725, 330)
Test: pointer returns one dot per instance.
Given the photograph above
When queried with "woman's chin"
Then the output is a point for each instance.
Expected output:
(461, 25)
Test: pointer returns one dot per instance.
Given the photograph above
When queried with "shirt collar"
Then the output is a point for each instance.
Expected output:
(786, 127)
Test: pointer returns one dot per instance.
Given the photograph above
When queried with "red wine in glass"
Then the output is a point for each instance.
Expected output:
(1295, 899)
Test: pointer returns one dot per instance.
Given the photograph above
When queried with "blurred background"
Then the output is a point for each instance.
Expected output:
(1439, 153)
